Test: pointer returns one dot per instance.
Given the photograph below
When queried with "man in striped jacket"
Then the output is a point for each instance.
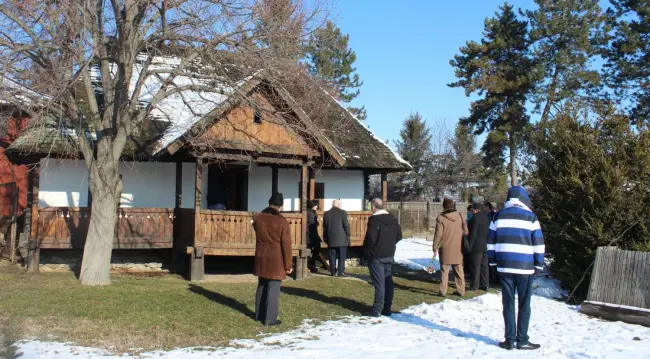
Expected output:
(516, 248)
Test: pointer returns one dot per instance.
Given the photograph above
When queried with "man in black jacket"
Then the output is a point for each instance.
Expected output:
(336, 233)
(313, 239)
(479, 227)
(382, 235)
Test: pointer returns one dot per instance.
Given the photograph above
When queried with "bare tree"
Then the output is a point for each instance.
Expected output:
(99, 70)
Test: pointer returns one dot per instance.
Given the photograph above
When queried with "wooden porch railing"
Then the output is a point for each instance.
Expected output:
(231, 233)
(65, 228)
(358, 224)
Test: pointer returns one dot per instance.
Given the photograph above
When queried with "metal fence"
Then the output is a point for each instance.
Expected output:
(621, 277)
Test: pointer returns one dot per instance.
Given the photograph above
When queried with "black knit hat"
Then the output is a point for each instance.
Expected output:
(447, 203)
(277, 200)
(313, 203)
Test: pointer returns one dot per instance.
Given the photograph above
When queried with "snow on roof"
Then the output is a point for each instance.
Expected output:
(11, 88)
(397, 156)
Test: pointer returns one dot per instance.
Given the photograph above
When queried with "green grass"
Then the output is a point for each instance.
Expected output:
(165, 312)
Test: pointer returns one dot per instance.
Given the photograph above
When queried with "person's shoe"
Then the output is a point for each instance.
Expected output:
(485, 289)
(274, 324)
(388, 313)
(333, 275)
(528, 346)
(371, 314)
(506, 345)
(442, 295)
(473, 289)
(342, 275)
(458, 294)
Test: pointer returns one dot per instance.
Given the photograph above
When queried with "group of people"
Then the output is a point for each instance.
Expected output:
(509, 240)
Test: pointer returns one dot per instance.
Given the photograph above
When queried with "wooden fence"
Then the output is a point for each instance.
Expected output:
(419, 217)
(621, 277)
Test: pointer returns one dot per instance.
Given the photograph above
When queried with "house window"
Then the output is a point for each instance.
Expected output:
(257, 118)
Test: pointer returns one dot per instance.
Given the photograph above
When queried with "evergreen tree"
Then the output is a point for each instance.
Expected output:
(493, 169)
(414, 146)
(566, 36)
(467, 163)
(592, 187)
(499, 70)
(330, 58)
(628, 55)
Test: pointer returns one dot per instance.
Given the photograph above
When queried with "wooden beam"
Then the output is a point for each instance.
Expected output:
(384, 187)
(312, 184)
(198, 187)
(254, 159)
(366, 189)
(301, 263)
(34, 242)
(274, 180)
(179, 184)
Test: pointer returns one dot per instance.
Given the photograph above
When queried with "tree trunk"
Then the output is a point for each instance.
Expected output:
(105, 187)
(513, 164)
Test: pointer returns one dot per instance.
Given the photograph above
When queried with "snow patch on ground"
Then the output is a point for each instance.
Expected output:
(416, 254)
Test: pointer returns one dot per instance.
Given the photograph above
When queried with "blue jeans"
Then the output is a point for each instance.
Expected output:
(339, 252)
(523, 285)
(382, 280)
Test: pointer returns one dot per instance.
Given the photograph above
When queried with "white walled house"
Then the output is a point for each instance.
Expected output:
(196, 181)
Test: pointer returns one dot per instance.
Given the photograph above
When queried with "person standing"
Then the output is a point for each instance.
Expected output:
(312, 235)
(516, 248)
(336, 233)
(379, 246)
(448, 240)
(273, 259)
(489, 208)
(479, 226)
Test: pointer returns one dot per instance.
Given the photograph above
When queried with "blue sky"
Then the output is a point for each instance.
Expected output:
(403, 50)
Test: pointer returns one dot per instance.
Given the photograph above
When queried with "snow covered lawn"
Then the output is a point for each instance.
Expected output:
(469, 328)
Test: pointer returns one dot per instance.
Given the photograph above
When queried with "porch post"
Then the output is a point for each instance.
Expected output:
(303, 253)
(384, 187)
(34, 246)
(177, 250)
(366, 190)
(179, 184)
(312, 184)
(197, 259)
(274, 180)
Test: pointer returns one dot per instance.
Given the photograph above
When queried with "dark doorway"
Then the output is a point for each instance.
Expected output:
(228, 187)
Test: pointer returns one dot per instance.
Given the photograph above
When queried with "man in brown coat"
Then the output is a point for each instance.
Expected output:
(273, 260)
(450, 229)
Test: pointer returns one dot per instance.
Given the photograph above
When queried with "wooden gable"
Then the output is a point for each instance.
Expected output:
(259, 128)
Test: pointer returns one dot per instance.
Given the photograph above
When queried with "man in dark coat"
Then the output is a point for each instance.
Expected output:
(312, 235)
(382, 235)
(336, 230)
(479, 227)
(273, 259)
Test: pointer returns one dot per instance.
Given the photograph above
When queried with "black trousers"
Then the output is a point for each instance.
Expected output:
(382, 280)
(339, 252)
(480, 271)
(266, 300)
(315, 254)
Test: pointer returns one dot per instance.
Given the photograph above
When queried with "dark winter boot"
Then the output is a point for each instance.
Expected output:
(528, 346)
(507, 345)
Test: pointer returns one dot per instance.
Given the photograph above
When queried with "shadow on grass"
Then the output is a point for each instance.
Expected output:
(349, 304)
(412, 319)
(223, 300)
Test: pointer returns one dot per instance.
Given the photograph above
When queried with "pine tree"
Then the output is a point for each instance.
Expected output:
(467, 163)
(566, 35)
(493, 169)
(330, 58)
(414, 146)
(499, 70)
(628, 55)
